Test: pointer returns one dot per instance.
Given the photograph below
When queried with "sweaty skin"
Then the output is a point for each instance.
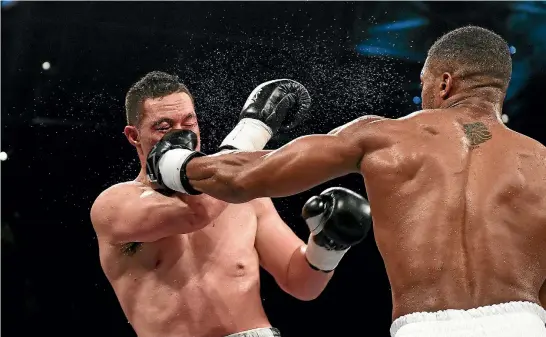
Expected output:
(458, 200)
(189, 265)
(203, 283)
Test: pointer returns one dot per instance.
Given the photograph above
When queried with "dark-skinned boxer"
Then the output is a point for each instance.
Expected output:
(458, 199)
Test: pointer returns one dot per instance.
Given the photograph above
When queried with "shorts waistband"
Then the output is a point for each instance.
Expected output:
(260, 332)
(452, 314)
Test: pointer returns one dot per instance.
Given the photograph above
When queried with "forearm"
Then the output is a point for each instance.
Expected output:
(218, 175)
(299, 165)
(302, 281)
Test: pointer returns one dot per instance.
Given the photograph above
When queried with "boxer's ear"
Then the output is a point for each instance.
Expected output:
(446, 85)
(132, 135)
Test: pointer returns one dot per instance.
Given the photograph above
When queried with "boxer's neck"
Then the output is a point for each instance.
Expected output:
(142, 177)
(488, 101)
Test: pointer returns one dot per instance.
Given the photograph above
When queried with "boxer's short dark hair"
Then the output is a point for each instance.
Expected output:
(474, 52)
(155, 84)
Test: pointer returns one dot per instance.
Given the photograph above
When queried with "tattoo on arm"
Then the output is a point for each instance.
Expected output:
(477, 133)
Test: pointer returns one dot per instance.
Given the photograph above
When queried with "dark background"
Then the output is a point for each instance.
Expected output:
(62, 127)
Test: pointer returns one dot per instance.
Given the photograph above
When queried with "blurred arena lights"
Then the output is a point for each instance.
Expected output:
(3, 156)
(374, 50)
(46, 65)
(530, 7)
(417, 100)
(400, 25)
(505, 118)
(8, 3)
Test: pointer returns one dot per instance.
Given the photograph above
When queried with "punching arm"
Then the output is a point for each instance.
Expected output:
(301, 164)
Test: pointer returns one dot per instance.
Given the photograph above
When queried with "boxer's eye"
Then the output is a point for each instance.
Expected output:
(191, 120)
(163, 127)
(162, 124)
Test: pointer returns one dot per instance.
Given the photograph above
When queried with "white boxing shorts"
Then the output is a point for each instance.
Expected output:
(260, 332)
(521, 319)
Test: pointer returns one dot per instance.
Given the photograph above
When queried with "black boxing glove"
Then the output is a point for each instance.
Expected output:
(338, 218)
(271, 106)
(167, 160)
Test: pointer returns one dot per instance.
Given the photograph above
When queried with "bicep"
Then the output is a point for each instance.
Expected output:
(142, 216)
(275, 241)
(312, 160)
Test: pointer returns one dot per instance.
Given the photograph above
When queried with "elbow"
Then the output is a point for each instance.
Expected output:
(302, 293)
(301, 281)
(306, 296)
(304, 289)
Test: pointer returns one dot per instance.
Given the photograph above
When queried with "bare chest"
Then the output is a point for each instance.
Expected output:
(229, 238)
(227, 242)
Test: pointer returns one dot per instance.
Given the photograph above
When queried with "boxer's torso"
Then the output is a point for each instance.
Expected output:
(201, 284)
(458, 225)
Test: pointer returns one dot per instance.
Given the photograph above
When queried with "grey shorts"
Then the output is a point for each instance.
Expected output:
(261, 332)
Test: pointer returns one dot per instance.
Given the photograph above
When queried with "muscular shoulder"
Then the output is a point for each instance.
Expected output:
(124, 187)
(534, 154)
(368, 131)
(530, 144)
(109, 203)
(113, 194)
(421, 117)
(423, 124)
(357, 123)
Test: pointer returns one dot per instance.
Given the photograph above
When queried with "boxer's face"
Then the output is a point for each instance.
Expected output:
(159, 116)
(435, 86)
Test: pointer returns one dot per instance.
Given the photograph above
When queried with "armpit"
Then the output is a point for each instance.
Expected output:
(130, 248)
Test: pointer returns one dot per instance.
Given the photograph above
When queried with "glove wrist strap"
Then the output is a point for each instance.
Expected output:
(315, 223)
(172, 167)
(249, 135)
(321, 258)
